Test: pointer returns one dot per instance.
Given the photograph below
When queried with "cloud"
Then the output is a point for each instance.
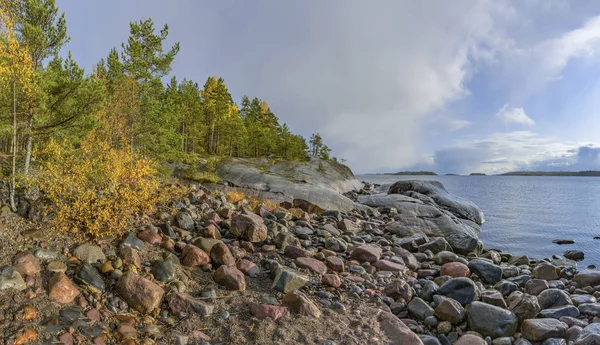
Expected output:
(374, 77)
(514, 115)
(502, 152)
(455, 125)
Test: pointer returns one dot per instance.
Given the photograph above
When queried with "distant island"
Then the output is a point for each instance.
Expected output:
(477, 174)
(431, 173)
(553, 173)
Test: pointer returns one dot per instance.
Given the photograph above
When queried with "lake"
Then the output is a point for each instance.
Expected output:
(525, 213)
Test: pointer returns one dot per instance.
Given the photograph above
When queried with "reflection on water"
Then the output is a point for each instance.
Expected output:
(525, 213)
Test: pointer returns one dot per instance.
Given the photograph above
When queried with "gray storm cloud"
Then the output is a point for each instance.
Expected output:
(373, 78)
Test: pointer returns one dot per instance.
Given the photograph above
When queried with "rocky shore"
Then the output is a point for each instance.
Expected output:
(405, 267)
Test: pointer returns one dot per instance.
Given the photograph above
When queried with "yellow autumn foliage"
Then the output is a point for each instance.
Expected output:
(15, 62)
(96, 189)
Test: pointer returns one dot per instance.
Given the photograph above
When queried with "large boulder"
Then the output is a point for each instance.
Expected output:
(433, 192)
(416, 217)
(316, 183)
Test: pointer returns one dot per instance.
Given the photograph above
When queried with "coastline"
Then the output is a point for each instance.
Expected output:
(410, 269)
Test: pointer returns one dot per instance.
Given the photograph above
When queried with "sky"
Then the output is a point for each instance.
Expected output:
(449, 86)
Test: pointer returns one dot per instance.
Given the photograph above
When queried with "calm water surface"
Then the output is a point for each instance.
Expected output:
(524, 214)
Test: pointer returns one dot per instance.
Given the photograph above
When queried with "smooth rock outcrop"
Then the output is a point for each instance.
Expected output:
(315, 182)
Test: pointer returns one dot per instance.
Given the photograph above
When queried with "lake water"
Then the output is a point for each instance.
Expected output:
(525, 213)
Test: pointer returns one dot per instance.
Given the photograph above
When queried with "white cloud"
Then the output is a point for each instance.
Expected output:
(514, 115)
(502, 152)
(455, 125)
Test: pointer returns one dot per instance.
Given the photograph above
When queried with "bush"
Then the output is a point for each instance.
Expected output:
(95, 189)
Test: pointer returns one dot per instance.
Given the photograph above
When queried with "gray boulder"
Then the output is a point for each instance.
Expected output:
(316, 183)
(434, 192)
(416, 217)
(492, 321)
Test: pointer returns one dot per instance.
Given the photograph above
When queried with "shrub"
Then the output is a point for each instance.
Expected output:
(94, 189)
(235, 196)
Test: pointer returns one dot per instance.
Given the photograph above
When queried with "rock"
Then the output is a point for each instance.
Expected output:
(193, 256)
(576, 255)
(545, 271)
(558, 312)
(438, 245)
(89, 277)
(587, 278)
(399, 288)
(535, 286)
(294, 252)
(57, 266)
(230, 277)
(182, 303)
(470, 339)
(321, 187)
(132, 241)
(519, 260)
(389, 266)
(580, 299)
(10, 278)
(184, 221)
(590, 335)
(130, 256)
(553, 298)
(249, 268)
(163, 270)
(263, 311)
(312, 264)
(419, 308)
(489, 320)
(487, 271)
(140, 293)
(150, 236)
(335, 244)
(462, 290)
(249, 227)
(366, 253)
(335, 263)
(221, 255)
(560, 241)
(396, 331)
(205, 244)
(493, 297)
(26, 264)
(347, 225)
(331, 280)
(436, 192)
(89, 253)
(455, 270)
(61, 289)
(591, 309)
(45, 254)
(525, 306)
(297, 302)
(542, 329)
(418, 218)
(287, 280)
(450, 310)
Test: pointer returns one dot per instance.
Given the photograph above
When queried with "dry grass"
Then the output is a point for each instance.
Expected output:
(235, 196)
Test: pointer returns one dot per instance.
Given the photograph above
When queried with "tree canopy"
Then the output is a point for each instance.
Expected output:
(130, 99)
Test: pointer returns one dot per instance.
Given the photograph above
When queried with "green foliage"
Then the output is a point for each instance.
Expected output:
(125, 101)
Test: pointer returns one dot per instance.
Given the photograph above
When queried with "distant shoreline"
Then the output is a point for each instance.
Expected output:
(587, 173)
